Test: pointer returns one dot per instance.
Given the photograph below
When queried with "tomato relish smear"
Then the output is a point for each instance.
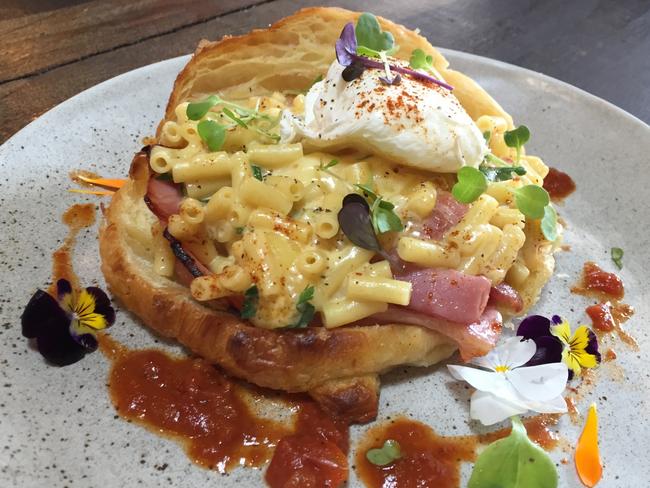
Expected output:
(432, 460)
(558, 184)
(427, 458)
(610, 313)
(77, 217)
(213, 417)
(595, 281)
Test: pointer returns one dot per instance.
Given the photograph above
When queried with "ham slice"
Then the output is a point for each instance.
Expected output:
(447, 294)
(163, 198)
(505, 296)
(475, 339)
(446, 214)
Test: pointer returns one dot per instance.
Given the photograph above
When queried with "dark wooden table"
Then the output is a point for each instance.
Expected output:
(53, 49)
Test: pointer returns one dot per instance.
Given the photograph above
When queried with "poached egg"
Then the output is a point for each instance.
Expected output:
(414, 123)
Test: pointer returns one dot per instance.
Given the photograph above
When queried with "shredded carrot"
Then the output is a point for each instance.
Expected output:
(588, 464)
(93, 192)
(107, 182)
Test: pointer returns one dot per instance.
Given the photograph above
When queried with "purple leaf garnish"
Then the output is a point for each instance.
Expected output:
(346, 54)
(396, 80)
(355, 221)
(353, 71)
(346, 45)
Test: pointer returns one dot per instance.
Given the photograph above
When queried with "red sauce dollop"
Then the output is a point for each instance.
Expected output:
(558, 184)
(77, 217)
(601, 316)
(432, 460)
(315, 456)
(214, 417)
(427, 459)
(597, 282)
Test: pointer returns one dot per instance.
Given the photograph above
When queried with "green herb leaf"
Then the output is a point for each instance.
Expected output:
(239, 230)
(329, 165)
(420, 60)
(197, 110)
(502, 173)
(369, 35)
(213, 134)
(531, 200)
(306, 295)
(549, 223)
(516, 138)
(617, 257)
(384, 219)
(370, 193)
(471, 184)
(306, 309)
(514, 462)
(257, 172)
(251, 299)
(487, 135)
(386, 454)
(229, 113)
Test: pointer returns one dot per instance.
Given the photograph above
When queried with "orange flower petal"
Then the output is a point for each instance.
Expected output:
(93, 192)
(588, 464)
(108, 182)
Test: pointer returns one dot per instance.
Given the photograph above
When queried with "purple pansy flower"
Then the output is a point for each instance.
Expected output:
(555, 343)
(64, 327)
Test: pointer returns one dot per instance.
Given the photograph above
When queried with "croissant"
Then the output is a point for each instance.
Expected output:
(338, 366)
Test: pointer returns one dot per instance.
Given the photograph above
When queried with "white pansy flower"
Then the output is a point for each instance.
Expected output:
(504, 387)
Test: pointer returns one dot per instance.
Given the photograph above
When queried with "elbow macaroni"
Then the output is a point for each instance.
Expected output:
(281, 233)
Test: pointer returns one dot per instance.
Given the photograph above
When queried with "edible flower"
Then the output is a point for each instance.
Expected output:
(506, 387)
(587, 458)
(556, 343)
(64, 327)
(351, 50)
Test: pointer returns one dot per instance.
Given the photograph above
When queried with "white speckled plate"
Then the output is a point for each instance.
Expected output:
(57, 426)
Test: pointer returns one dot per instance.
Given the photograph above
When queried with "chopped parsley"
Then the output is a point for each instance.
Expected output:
(251, 299)
(304, 308)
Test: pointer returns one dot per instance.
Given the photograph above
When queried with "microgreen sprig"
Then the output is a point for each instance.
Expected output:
(516, 138)
(384, 218)
(353, 53)
(502, 173)
(213, 133)
(371, 39)
(531, 200)
(240, 116)
(356, 223)
(304, 308)
(471, 184)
